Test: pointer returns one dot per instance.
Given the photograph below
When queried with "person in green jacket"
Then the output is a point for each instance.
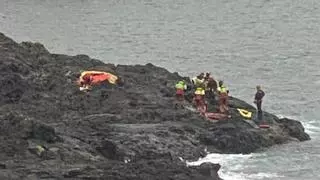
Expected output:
(223, 98)
(180, 89)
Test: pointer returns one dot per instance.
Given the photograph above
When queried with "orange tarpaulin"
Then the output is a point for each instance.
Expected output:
(99, 76)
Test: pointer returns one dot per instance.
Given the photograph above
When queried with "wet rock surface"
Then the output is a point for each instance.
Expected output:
(50, 130)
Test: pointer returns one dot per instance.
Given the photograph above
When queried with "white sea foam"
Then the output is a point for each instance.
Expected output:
(232, 166)
(244, 176)
(262, 176)
(221, 158)
(287, 116)
(311, 128)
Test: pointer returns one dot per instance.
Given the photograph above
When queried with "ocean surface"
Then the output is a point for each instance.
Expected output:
(243, 42)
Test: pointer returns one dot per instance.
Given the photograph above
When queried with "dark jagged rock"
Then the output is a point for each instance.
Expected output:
(2, 166)
(44, 133)
(294, 129)
(209, 169)
(49, 129)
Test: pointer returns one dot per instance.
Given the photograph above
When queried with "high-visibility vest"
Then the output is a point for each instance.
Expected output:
(181, 86)
(197, 82)
(222, 89)
(199, 91)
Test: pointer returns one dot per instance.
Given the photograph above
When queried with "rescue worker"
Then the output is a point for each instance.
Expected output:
(199, 100)
(223, 98)
(180, 90)
(198, 81)
(211, 87)
(258, 101)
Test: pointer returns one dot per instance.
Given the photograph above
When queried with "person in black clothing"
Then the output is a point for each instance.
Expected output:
(258, 101)
(211, 88)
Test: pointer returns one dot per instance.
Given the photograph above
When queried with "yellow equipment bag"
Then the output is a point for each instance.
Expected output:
(244, 113)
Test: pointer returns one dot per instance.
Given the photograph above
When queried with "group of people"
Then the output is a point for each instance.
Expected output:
(206, 88)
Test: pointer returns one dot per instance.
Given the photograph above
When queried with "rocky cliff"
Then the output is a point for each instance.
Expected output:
(51, 130)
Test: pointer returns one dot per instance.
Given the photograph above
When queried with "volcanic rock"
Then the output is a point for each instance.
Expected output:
(131, 132)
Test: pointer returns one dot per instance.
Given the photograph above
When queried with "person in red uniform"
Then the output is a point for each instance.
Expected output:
(180, 90)
(258, 101)
(199, 100)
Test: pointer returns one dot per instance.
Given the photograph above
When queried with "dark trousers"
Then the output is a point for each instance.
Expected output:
(259, 104)
(210, 96)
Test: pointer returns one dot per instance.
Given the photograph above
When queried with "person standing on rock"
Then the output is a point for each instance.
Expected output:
(258, 101)
(199, 100)
(211, 87)
(223, 98)
(180, 90)
(199, 93)
(198, 81)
